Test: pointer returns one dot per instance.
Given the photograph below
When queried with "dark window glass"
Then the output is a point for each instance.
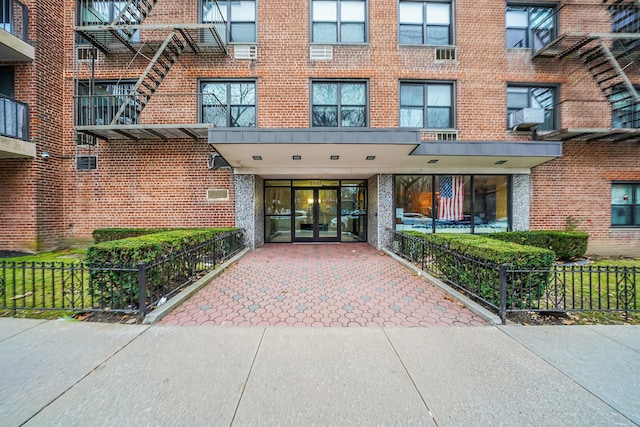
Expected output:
(101, 102)
(530, 26)
(239, 14)
(229, 104)
(339, 104)
(625, 204)
(426, 105)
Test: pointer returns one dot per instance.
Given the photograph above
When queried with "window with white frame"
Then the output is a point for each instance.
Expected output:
(240, 16)
(339, 21)
(427, 105)
(530, 26)
(339, 104)
(228, 103)
(543, 97)
(625, 204)
(425, 23)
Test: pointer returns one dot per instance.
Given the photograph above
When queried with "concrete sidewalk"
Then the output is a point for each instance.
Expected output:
(69, 373)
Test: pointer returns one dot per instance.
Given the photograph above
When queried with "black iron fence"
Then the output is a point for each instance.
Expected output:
(560, 288)
(79, 287)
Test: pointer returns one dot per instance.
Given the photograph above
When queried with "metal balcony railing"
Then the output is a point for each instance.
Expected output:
(14, 118)
(14, 18)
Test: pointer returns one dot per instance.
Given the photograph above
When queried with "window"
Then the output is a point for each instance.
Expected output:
(240, 17)
(106, 12)
(338, 21)
(86, 162)
(426, 105)
(519, 97)
(625, 204)
(425, 22)
(530, 26)
(625, 112)
(229, 104)
(100, 102)
(452, 203)
(339, 104)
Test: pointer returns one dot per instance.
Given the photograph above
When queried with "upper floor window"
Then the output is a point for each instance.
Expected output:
(625, 204)
(520, 96)
(339, 104)
(339, 21)
(530, 26)
(229, 104)
(106, 12)
(240, 16)
(425, 22)
(426, 105)
(99, 103)
(625, 112)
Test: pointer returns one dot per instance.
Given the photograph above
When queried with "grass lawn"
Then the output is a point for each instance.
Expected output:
(66, 255)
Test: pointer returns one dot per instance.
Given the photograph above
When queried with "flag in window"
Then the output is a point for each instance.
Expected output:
(451, 197)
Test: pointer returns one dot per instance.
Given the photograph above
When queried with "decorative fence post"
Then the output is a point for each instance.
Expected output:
(142, 290)
(502, 311)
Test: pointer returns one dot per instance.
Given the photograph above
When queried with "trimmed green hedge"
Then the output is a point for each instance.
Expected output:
(109, 234)
(118, 289)
(567, 245)
(522, 289)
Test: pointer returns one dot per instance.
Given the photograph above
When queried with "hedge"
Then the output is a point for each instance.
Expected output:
(109, 234)
(480, 275)
(117, 289)
(567, 245)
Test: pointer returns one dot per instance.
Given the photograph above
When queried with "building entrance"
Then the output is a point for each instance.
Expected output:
(315, 210)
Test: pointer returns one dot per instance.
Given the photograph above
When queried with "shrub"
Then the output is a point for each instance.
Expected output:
(472, 261)
(119, 289)
(109, 234)
(567, 245)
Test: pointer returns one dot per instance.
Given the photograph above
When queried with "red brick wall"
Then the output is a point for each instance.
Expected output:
(164, 183)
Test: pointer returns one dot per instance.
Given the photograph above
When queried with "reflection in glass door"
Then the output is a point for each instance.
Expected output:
(314, 210)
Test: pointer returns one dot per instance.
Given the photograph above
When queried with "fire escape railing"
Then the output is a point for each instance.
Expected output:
(14, 118)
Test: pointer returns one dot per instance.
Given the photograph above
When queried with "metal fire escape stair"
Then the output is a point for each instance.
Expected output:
(134, 13)
(166, 56)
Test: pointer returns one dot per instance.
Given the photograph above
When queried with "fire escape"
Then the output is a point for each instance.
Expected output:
(612, 58)
(127, 31)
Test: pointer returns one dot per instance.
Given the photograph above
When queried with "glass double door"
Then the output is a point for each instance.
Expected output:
(316, 215)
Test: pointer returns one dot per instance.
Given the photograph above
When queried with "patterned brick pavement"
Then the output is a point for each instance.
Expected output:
(320, 285)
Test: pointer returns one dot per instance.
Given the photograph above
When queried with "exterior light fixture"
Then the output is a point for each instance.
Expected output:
(501, 162)
(432, 161)
(370, 157)
(335, 157)
(257, 157)
(45, 155)
(296, 157)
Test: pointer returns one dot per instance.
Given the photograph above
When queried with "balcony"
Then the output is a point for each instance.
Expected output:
(14, 129)
(13, 37)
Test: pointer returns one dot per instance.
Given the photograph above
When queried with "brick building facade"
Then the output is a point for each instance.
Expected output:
(383, 101)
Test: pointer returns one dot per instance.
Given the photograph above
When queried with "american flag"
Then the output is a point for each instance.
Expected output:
(451, 197)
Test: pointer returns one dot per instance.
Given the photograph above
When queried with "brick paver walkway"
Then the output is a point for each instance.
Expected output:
(320, 285)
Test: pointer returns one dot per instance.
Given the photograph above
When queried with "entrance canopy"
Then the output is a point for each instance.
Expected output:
(361, 153)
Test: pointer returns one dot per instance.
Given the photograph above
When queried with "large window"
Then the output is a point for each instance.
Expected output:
(229, 104)
(452, 203)
(625, 204)
(107, 12)
(625, 111)
(339, 21)
(425, 22)
(530, 26)
(426, 105)
(338, 104)
(100, 102)
(240, 16)
(520, 96)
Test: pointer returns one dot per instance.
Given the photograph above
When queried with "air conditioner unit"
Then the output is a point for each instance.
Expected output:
(526, 119)
(245, 51)
(321, 52)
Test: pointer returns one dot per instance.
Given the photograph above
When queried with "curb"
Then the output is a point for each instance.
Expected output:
(473, 306)
(168, 307)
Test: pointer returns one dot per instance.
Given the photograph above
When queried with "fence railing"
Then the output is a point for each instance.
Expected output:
(78, 287)
(14, 18)
(560, 288)
(14, 118)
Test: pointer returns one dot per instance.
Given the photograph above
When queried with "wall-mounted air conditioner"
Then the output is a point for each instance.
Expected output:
(322, 52)
(526, 119)
(245, 51)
